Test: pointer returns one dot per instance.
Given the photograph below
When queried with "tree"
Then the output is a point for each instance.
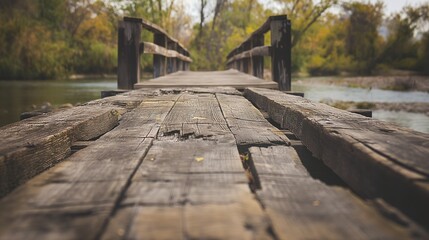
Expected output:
(363, 39)
(304, 13)
(402, 47)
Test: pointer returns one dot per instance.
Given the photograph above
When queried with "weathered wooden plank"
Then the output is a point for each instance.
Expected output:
(258, 61)
(195, 108)
(188, 79)
(202, 180)
(155, 49)
(260, 31)
(301, 207)
(196, 183)
(76, 197)
(281, 53)
(155, 29)
(84, 188)
(248, 125)
(223, 90)
(31, 146)
(375, 158)
(256, 51)
(128, 54)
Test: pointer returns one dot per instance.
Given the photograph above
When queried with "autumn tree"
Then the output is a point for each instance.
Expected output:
(363, 39)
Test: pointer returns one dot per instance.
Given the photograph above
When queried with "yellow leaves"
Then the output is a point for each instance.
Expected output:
(199, 159)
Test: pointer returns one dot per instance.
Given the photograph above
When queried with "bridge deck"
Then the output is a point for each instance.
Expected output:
(205, 163)
(229, 78)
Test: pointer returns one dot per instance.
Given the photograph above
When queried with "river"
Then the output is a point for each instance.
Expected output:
(19, 96)
(319, 90)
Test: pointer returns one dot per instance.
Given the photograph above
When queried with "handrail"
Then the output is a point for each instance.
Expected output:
(248, 57)
(169, 54)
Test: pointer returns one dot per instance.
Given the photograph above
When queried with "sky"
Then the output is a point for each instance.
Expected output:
(396, 5)
(391, 5)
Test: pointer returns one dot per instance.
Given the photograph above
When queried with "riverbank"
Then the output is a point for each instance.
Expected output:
(413, 107)
(395, 83)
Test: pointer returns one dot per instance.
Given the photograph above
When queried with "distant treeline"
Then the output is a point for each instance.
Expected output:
(44, 39)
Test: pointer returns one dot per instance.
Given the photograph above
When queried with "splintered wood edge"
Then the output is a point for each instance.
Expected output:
(366, 171)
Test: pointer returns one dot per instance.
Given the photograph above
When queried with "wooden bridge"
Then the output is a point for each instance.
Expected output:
(211, 155)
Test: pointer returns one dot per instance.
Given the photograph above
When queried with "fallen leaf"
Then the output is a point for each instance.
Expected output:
(199, 159)
(199, 118)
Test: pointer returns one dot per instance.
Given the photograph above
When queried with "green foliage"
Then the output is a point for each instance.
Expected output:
(56, 38)
(40, 40)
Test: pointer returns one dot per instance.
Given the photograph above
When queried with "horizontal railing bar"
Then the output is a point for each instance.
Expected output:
(261, 30)
(152, 48)
(154, 29)
(256, 51)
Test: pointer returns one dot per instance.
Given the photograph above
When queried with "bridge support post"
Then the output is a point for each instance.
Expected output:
(281, 52)
(171, 62)
(258, 61)
(247, 62)
(159, 62)
(128, 54)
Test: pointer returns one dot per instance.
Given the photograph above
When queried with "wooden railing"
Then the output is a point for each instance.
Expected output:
(169, 54)
(249, 56)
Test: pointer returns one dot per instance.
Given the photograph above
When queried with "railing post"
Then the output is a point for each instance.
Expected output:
(179, 61)
(281, 52)
(247, 61)
(171, 62)
(187, 63)
(258, 61)
(159, 62)
(128, 54)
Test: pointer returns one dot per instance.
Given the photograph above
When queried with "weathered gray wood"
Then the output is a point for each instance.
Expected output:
(229, 78)
(155, 29)
(366, 153)
(195, 183)
(281, 53)
(223, 90)
(128, 54)
(158, 50)
(254, 52)
(260, 31)
(301, 207)
(77, 197)
(258, 61)
(29, 147)
(159, 61)
(247, 124)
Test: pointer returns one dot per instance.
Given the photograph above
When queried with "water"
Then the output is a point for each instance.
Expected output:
(19, 96)
(319, 91)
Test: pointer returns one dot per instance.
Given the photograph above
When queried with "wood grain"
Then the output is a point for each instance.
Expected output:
(301, 207)
(76, 197)
(195, 185)
(229, 78)
(248, 125)
(375, 158)
(33, 145)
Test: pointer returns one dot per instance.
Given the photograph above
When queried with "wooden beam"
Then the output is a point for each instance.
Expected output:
(260, 31)
(281, 53)
(159, 61)
(376, 159)
(256, 51)
(161, 51)
(154, 29)
(128, 54)
(258, 61)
